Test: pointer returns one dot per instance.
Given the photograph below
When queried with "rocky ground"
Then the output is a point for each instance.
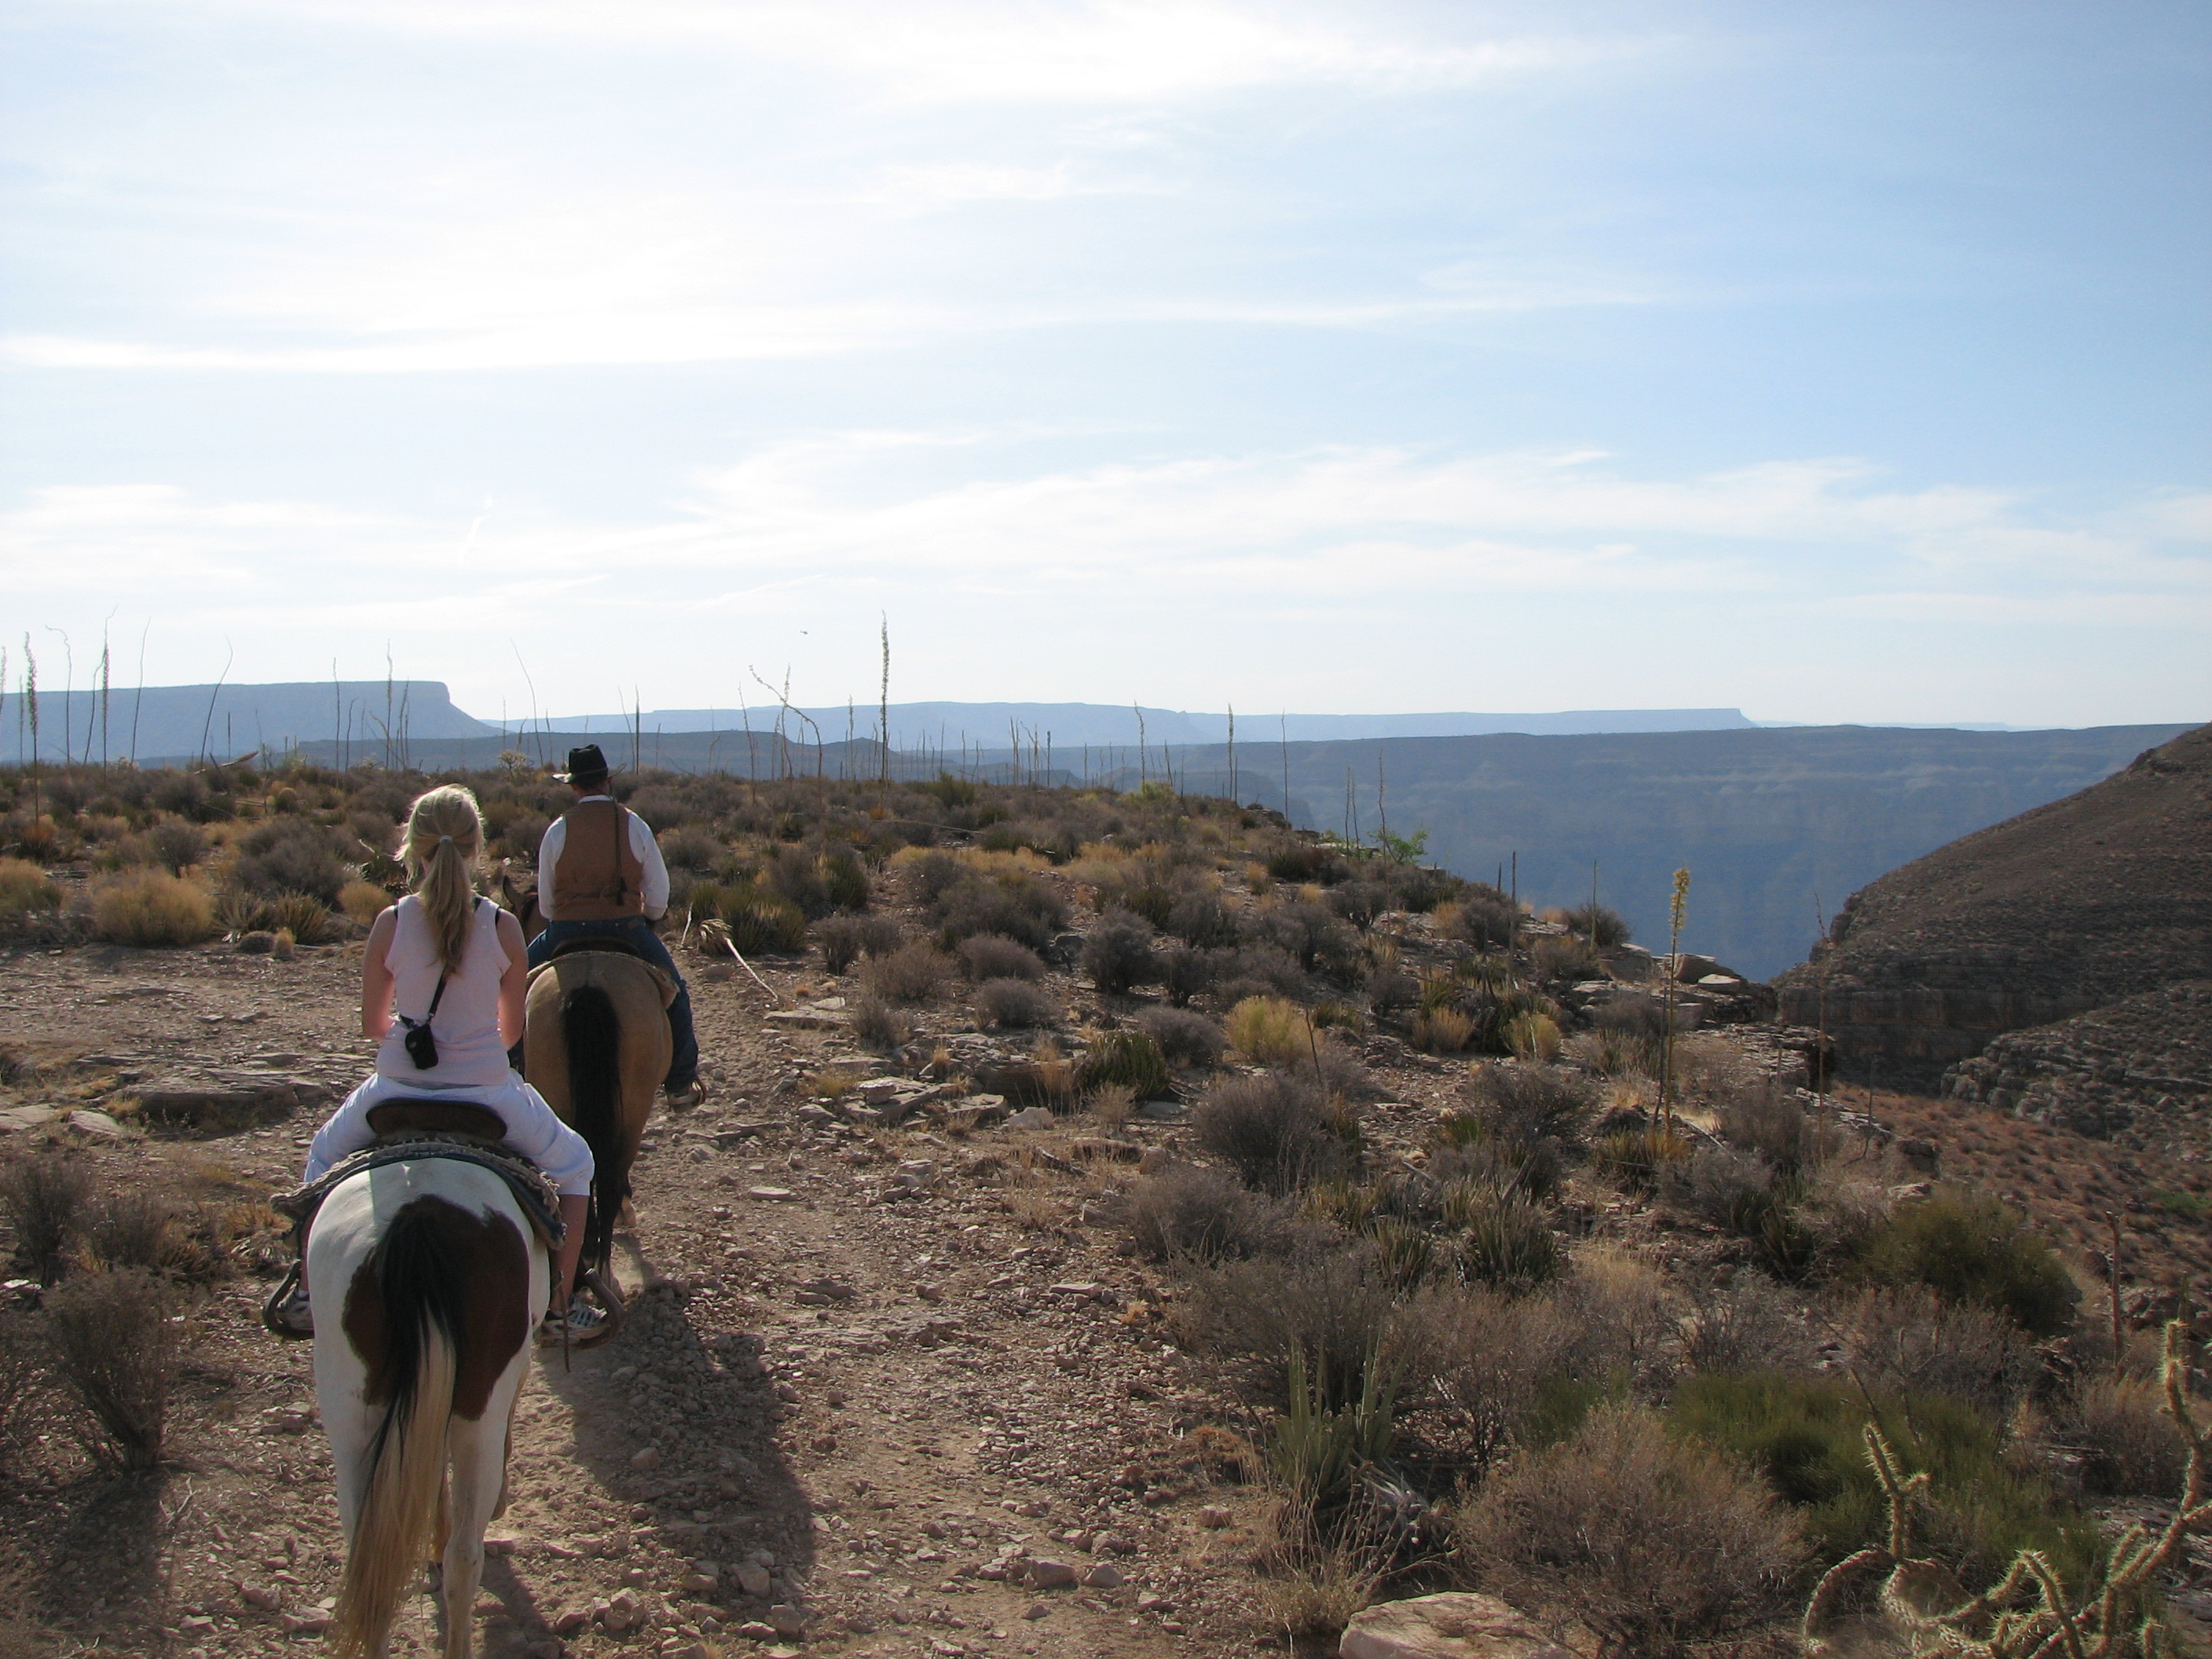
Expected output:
(890, 1387)
(885, 1391)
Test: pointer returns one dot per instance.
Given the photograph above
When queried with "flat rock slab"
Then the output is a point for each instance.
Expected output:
(1456, 1626)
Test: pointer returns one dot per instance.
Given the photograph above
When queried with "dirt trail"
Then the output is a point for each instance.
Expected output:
(865, 1381)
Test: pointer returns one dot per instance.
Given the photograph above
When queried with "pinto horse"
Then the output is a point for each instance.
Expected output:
(429, 1280)
(596, 1045)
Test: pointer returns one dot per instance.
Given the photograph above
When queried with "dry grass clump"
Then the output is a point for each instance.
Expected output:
(1910, 1341)
(992, 955)
(20, 1345)
(1128, 1057)
(1529, 1100)
(1013, 1005)
(1269, 1030)
(1532, 1037)
(845, 939)
(1565, 960)
(1610, 1052)
(1441, 1030)
(363, 901)
(151, 909)
(1650, 1542)
(116, 1348)
(760, 920)
(25, 891)
(911, 975)
(43, 1197)
(1184, 1038)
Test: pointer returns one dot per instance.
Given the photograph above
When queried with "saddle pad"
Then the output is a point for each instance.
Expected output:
(536, 1195)
(661, 982)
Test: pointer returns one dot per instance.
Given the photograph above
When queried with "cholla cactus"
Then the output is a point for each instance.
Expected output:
(2102, 1625)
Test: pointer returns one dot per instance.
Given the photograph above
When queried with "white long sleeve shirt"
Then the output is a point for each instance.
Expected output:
(655, 891)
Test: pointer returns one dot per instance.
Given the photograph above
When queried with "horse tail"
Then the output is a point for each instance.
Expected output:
(419, 1279)
(591, 1031)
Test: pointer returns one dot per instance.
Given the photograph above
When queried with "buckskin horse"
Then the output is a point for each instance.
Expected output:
(596, 1045)
(436, 1278)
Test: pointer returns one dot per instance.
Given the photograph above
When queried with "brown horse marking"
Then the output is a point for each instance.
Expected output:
(496, 1279)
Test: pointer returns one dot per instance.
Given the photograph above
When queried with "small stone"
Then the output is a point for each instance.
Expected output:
(1152, 1160)
(292, 1624)
(1213, 1518)
(786, 1620)
(771, 1195)
(646, 1458)
(571, 1621)
(753, 1578)
(753, 1630)
(97, 1123)
(1033, 1117)
(1453, 1626)
(1045, 1574)
(1154, 1604)
(260, 1596)
(1104, 1576)
(825, 1444)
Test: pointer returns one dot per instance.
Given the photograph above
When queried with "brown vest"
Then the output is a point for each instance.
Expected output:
(598, 877)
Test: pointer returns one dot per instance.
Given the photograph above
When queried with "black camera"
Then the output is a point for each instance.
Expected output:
(422, 1046)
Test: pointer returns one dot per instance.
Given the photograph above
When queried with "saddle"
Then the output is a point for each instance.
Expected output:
(613, 947)
(409, 1131)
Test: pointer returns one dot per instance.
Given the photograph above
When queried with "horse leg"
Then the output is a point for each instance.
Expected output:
(478, 1450)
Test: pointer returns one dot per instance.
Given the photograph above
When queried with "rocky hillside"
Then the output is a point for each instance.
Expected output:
(2103, 896)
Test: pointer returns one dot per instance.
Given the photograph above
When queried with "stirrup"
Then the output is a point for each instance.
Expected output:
(286, 1313)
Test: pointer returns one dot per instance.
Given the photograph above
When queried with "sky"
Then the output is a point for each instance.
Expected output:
(1836, 363)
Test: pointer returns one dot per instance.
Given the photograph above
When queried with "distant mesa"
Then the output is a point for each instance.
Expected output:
(2092, 902)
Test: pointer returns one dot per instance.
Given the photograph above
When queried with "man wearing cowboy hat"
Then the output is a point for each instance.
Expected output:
(600, 871)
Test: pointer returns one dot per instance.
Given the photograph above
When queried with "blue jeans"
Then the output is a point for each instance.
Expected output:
(637, 931)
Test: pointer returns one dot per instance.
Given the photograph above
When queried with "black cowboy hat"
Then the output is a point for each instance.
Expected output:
(586, 765)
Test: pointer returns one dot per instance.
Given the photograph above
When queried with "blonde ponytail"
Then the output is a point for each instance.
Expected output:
(445, 828)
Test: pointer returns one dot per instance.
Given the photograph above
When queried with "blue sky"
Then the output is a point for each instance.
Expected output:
(1839, 362)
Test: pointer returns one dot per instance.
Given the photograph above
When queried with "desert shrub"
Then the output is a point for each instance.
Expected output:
(1743, 1193)
(25, 891)
(1200, 920)
(1117, 956)
(1255, 970)
(1190, 1211)
(931, 874)
(1635, 1159)
(2131, 1446)
(1552, 958)
(688, 847)
(43, 1198)
(1185, 973)
(876, 1022)
(1747, 1325)
(1482, 917)
(1273, 1131)
(1530, 1100)
(115, 1347)
(1307, 933)
(845, 939)
(1269, 1030)
(1633, 1013)
(1184, 1038)
(1973, 1249)
(1013, 1004)
(1913, 1341)
(151, 909)
(1335, 1312)
(1806, 1435)
(1018, 906)
(1756, 1115)
(1492, 1354)
(1611, 927)
(292, 855)
(1129, 1057)
(302, 915)
(1470, 1150)
(1506, 1240)
(914, 974)
(1649, 1542)
(363, 901)
(990, 956)
(1304, 861)
(843, 878)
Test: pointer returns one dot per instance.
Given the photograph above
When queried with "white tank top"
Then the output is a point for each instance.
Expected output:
(467, 1026)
